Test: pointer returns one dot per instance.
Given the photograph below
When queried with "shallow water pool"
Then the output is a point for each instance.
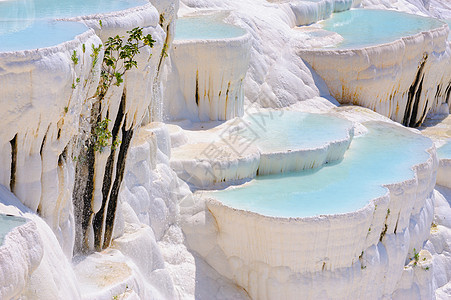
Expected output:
(38, 34)
(377, 158)
(367, 27)
(7, 223)
(445, 151)
(276, 131)
(38, 9)
(205, 27)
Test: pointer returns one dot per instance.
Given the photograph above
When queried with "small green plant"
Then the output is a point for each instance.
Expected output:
(164, 51)
(74, 58)
(161, 20)
(388, 211)
(416, 257)
(101, 135)
(66, 109)
(119, 57)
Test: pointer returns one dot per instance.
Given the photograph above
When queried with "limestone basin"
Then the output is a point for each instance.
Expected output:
(39, 9)
(264, 142)
(310, 11)
(400, 70)
(37, 34)
(8, 223)
(324, 219)
(210, 58)
(292, 141)
(444, 170)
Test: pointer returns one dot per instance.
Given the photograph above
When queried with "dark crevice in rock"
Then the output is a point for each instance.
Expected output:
(120, 169)
(62, 157)
(99, 218)
(84, 188)
(397, 221)
(414, 96)
(197, 87)
(447, 93)
(414, 117)
(12, 180)
(164, 50)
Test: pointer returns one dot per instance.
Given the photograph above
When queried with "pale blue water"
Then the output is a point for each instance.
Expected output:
(366, 27)
(291, 130)
(39, 34)
(205, 27)
(384, 155)
(38, 9)
(29, 24)
(445, 150)
(7, 223)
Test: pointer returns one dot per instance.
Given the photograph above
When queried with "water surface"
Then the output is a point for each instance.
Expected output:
(384, 155)
(367, 27)
(205, 27)
(7, 223)
(445, 151)
(38, 34)
(276, 131)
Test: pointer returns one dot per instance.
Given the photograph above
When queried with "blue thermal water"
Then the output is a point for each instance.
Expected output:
(7, 223)
(40, 34)
(205, 27)
(366, 27)
(445, 151)
(39, 9)
(276, 131)
(29, 24)
(377, 158)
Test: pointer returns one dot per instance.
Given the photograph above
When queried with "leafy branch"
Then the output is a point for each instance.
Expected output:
(119, 57)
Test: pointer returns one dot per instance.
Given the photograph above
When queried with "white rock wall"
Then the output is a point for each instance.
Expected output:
(402, 80)
(321, 257)
(40, 118)
(208, 79)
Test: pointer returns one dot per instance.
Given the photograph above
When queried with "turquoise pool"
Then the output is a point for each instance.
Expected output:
(276, 131)
(366, 27)
(7, 223)
(30, 24)
(445, 151)
(205, 27)
(38, 9)
(377, 158)
(38, 34)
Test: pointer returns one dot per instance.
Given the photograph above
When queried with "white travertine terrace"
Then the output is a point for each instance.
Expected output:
(206, 82)
(444, 172)
(294, 257)
(444, 169)
(312, 11)
(402, 80)
(20, 254)
(218, 156)
(43, 117)
(38, 123)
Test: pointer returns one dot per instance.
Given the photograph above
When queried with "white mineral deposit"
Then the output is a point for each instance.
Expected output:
(225, 149)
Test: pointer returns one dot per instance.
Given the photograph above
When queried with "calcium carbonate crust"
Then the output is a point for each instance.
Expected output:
(381, 77)
(20, 254)
(261, 248)
(207, 81)
(444, 172)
